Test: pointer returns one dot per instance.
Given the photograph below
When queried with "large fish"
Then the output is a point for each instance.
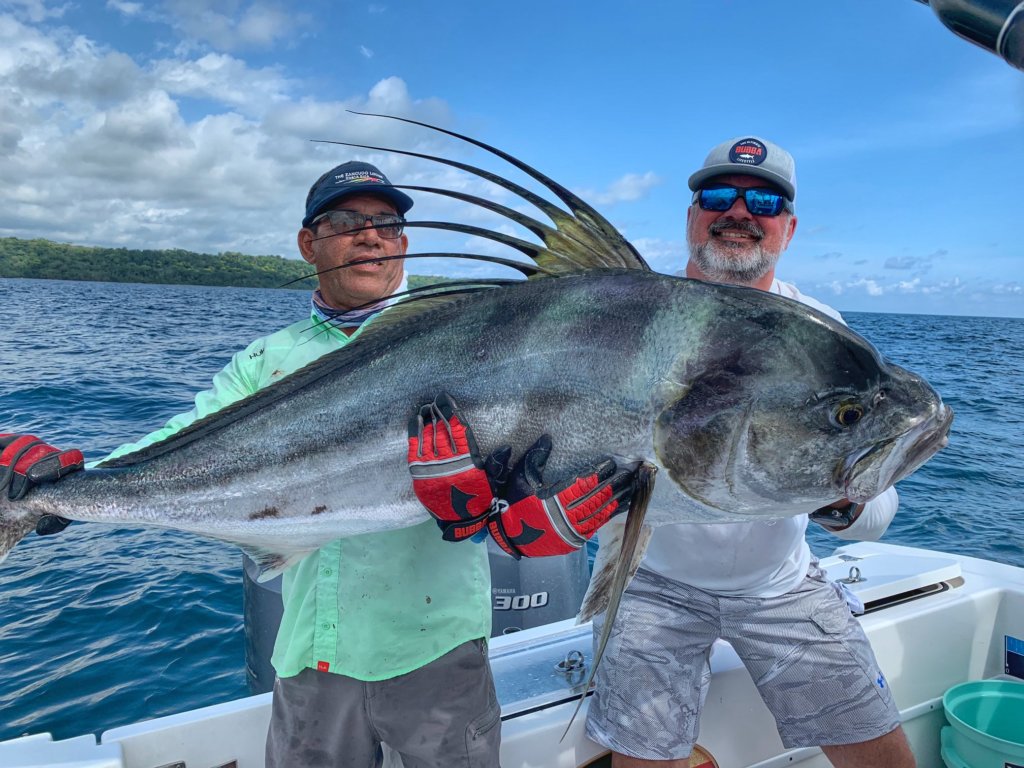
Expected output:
(742, 401)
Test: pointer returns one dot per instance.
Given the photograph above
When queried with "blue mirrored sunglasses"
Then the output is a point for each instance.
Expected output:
(759, 201)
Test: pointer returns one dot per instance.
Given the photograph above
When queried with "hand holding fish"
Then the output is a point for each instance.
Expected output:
(525, 517)
(447, 474)
(25, 461)
(534, 520)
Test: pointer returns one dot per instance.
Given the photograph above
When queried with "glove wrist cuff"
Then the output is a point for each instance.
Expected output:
(460, 530)
(497, 529)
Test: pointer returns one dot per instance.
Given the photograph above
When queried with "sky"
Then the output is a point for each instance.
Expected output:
(200, 125)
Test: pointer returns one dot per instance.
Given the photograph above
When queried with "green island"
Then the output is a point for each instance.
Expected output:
(46, 260)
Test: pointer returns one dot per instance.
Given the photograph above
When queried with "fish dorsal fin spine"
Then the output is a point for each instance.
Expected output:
(582, 238)
(581, 241)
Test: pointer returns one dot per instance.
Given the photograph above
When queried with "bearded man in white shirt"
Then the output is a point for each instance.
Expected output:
(754, 584)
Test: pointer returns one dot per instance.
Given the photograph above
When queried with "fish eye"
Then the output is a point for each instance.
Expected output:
(848, 414)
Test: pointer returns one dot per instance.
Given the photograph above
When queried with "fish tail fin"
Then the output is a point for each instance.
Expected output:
(615, 569)
(15, 524)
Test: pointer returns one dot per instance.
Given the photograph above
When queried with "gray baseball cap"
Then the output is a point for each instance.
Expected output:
(750, 156)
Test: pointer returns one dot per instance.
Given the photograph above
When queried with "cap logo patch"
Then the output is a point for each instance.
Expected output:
(358, 177)
(748, 152)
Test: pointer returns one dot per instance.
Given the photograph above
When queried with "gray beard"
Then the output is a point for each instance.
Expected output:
(726, 264)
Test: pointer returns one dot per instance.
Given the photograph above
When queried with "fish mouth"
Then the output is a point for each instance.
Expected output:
(866, 474)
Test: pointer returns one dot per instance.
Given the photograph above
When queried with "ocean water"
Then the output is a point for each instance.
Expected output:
(100, 627)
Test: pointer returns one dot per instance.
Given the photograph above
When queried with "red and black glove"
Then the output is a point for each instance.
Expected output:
(464, 494)
(534, 520)
(25, 460)
(448, 476)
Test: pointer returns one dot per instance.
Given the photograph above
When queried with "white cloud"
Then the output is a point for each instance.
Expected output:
(629, 187)
(668, 256)
(876, 287)
(36, 11)
(60, 69)
(223, 79)
(840, 288)
(262, 24)
(127, 8)
(227, 26)
(873, 288)
(96, 149)
(367, 53)
(955, 295)
(1011, 289)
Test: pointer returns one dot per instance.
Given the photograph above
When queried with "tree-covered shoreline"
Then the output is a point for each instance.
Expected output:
(48, 260)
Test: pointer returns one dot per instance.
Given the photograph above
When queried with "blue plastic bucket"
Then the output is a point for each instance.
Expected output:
(986, 725)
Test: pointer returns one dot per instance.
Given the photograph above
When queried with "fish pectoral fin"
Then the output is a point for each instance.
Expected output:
(273, 564)
(613, 571)
(599, 590)
(617, 542)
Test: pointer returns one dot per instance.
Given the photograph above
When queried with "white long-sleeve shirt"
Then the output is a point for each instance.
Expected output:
(757, 559)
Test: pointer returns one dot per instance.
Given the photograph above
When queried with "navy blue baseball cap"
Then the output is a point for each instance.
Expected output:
(352, 178)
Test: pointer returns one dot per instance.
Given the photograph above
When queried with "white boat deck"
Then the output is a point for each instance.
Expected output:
(964, 620)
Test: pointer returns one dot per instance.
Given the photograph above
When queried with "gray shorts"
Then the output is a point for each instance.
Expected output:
(806, 653)
(443, 714)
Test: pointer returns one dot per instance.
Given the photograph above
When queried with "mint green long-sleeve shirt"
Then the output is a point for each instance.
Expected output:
(373, 606)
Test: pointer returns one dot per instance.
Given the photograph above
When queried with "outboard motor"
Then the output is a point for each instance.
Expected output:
(262, 609)
(534, 591)
(995, 25)
(525, 593)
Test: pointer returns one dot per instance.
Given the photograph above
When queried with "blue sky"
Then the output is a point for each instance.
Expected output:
(178, 124)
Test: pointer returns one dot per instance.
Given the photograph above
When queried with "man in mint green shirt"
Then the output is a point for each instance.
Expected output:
(383, 637)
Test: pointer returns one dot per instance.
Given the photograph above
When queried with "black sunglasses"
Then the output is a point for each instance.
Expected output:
(344, 222)
(759, 201)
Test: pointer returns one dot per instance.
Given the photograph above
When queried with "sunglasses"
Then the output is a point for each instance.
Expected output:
(760, 201)
(343, 222)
